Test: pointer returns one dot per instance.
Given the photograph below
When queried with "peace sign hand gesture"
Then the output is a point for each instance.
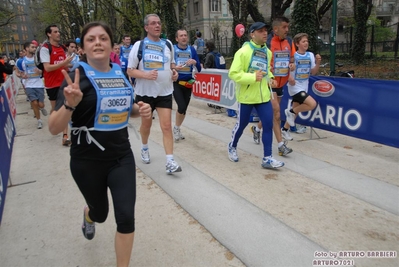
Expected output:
(72, 93)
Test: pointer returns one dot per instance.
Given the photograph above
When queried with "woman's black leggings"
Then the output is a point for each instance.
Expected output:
(182, 97)
(94, 177)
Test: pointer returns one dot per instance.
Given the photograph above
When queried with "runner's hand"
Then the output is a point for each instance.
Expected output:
(191, 62)
(273, 83)
(258, 75)
(152, 75)
(72, 93)
(144, 109)
(175, 75)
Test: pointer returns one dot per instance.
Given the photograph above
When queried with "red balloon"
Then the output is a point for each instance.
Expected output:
(240, 30)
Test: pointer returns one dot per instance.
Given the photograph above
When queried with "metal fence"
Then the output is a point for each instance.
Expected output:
(374, 48)
(223, 45)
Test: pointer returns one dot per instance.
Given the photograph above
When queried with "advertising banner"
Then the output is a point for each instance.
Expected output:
(8, 112)
(214, 86)
(361, 108)
(7, 128)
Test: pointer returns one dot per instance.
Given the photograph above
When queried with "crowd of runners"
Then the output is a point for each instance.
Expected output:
(91, 102)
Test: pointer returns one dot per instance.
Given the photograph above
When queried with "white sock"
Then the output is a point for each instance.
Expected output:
(169, 157)
(144, 146)
(257, 129)
(280, 144)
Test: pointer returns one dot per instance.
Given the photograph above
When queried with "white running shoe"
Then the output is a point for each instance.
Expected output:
(284, 150)
(145, 156)
(300, 129)
(271, 163)
(177, 135)
(290, 117)
(255, 134)
(232, 152)
(286, 135)
(44, 111)
(39, 124)
(172, 166)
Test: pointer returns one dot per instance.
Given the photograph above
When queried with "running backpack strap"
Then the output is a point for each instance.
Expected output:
(140, 53)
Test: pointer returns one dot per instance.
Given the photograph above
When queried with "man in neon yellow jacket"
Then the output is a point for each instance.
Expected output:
(251, 71)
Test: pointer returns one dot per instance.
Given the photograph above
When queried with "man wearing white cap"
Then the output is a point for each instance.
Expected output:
(251, 71)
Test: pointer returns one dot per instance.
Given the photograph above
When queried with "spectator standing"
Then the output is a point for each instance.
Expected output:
(210, 57)
(5, 70)
(199, 46)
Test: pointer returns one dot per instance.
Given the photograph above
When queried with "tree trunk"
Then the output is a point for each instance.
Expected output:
(253, 11)
(235, 11)
(362, 10)
(279, 7)
(170, 19)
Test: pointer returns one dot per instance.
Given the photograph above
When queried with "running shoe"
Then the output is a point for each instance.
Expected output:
(290, 117)
(65, 140)
(145, 156)
(286, 135)
(177, 135)
(284, 150)
(172, 166)
(39, 124)
(44, 111)
(300, 129)
(256, 135)
(88, 229)
(271, 163)
(232, 152)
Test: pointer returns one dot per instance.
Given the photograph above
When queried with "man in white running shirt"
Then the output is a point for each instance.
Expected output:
(154, 72)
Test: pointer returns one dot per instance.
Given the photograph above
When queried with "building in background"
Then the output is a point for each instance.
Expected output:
(21, 29)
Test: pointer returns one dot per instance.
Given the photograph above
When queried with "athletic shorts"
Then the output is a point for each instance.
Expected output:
(52, 93)
(156, 102)
(35, 94)
(278, 91)
(300, 97)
